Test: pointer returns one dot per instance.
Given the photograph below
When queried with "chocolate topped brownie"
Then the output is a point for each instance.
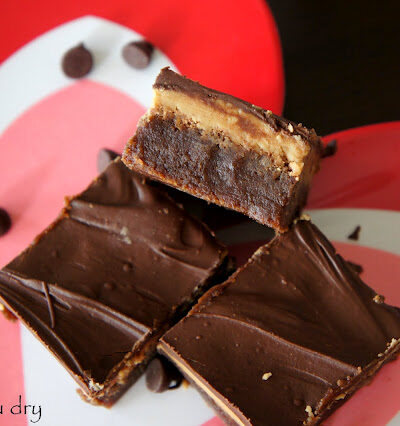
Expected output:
(288, 338)
(108, 277)
(225, 150)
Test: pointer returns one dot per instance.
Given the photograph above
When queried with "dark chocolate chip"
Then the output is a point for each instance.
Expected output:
(104, 158)
(161, 375)
(5, 221)
(355, 235)
(356, 267)
(330, 149)
(138, 53)
(77, 62)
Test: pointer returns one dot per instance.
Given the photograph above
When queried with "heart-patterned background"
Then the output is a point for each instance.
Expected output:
(51, 129)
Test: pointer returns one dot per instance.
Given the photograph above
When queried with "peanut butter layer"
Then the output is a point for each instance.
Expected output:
(228, 122)
(287, 338)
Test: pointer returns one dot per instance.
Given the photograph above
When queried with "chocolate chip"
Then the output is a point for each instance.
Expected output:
(77, 62)
(161, 375)
(356, 267)
(104, 158)
(137, 54)
(355, 235)
(5, 222)
(330, 149)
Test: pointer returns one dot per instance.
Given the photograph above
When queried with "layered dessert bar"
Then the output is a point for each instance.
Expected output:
(287, 338)
(101, 284)
(225, 150)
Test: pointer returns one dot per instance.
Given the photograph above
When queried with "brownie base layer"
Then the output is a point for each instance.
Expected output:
(224, 174)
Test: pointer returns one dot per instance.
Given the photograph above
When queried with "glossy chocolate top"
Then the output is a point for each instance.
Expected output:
(283, 330)
(113, 267)
(170, 80)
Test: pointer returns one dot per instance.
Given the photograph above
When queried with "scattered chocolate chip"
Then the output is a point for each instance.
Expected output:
(77, 62)
(104, 158)
(330, 149)
(137, 54)
(161, 375)
(356, 267)
(5, 222)
(355, 235)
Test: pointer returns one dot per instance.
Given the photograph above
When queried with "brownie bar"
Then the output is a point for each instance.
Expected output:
(288, 338)
(108, 277)
(225, 150)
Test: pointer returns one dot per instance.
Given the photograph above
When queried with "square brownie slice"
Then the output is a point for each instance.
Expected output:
(288, 338)
(101, 284)
(225, 150)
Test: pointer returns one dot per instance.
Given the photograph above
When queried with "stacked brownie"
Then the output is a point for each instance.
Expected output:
(224, 150)
(284, 340)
